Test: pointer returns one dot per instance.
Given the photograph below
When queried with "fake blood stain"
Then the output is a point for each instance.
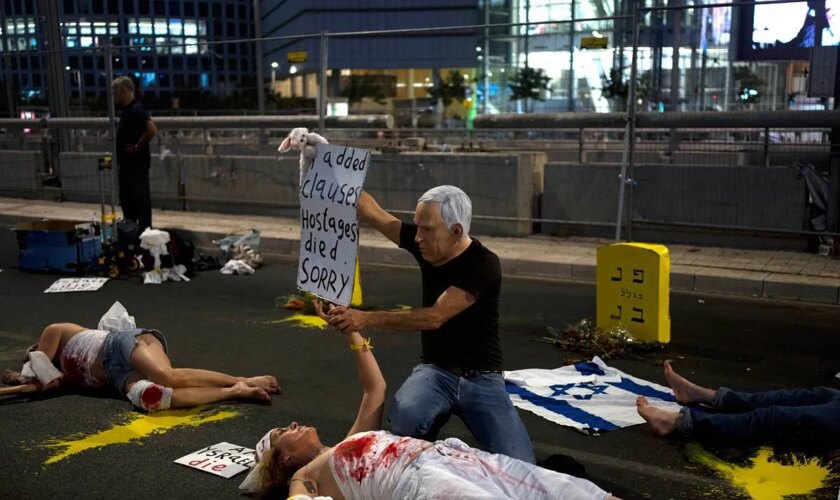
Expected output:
(152, 397)
(353, 453)
(72, 369)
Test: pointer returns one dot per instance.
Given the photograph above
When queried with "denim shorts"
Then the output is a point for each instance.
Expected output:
(117, 350)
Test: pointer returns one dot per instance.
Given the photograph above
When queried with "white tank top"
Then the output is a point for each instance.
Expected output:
(369, 464)
(79, 354)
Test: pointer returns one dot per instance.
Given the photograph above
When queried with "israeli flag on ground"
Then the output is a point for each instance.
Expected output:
(589, 396)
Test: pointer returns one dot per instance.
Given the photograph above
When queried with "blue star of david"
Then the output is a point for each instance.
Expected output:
(563, 390)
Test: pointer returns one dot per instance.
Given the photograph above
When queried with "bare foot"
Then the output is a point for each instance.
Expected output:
(10, 377)
(661, 422)
(244, 391)
(687, 392)
(265, 382)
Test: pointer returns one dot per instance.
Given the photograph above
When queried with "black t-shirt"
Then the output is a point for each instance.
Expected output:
(131, 127)
(469, 340)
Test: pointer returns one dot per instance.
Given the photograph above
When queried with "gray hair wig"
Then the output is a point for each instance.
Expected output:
(455, 205)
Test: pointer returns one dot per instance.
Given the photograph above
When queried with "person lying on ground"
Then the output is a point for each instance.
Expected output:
(135, 363)
(372, 464)
(751, 416)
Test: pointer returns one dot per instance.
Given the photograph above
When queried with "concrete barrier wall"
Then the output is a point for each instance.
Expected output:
(19, 172)
(258, 185)
(768, 198)
(79, 173)
(498, 184)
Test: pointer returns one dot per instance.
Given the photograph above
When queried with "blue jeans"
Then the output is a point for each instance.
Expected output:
(431, 395)
(117, 349)
(766, 415)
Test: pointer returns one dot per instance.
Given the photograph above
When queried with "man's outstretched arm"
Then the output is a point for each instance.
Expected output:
(369, 211)
(451, 302)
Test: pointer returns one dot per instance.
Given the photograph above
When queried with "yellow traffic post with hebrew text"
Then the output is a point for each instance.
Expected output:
(633, 286)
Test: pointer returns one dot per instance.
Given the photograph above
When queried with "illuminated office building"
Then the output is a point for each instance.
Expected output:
(162, 45)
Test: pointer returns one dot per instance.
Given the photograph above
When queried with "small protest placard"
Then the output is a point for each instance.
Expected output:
(329, 229)
(76, 285)
(222, 459)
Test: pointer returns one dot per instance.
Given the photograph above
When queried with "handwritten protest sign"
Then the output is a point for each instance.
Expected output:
(222, 459)
(329, 229)
(76, 285)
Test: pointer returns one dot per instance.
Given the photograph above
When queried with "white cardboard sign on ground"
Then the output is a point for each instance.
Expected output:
(329, 229)
(222, 459)
(76, 285)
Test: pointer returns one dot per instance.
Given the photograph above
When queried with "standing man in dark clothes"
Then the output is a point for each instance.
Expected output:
(134, 133)
(460, 370)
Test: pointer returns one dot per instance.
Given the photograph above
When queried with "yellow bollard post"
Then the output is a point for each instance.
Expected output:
(356, 299)
(633, 286)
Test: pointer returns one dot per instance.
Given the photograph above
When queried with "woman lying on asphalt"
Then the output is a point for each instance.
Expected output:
(750, 416)
(134, 362)
(372, 464)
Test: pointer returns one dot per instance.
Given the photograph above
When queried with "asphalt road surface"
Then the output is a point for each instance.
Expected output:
(230, 323)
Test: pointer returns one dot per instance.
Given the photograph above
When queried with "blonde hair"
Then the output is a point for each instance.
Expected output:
(275, 475)
(123, 83)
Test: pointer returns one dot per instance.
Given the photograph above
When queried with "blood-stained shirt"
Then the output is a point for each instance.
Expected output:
(369, 464)
(78, 356)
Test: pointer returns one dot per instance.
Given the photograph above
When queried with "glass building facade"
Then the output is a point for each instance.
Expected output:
(162, 44)
(686, 61)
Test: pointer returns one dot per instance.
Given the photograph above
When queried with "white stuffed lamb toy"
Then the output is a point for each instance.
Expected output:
(305, 141)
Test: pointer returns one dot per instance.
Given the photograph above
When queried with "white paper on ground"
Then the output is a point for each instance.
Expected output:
(221, 459)
(76, 285)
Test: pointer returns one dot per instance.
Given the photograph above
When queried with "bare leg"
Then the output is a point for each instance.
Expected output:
(687, 392)
(661, 422)
(187, 397)
(149, 358)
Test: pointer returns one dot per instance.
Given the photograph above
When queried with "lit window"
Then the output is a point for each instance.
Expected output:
(202, 28)
(175, 27)
(145, 26)
(72, 42)
(190, 28)
(114, 28)
(147, 79)
(85, 28)
(160, 28)
(87, 41)
(162, 44)
(205, 80)
(177, 49)
(72, 29)
(192, 47)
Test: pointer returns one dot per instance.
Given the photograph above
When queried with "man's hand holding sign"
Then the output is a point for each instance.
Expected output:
(329, 238)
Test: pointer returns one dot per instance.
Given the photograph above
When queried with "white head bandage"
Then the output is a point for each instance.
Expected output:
(251, 484)
(264, 444)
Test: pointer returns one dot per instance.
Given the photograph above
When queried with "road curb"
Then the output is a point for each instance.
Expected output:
(684, 278)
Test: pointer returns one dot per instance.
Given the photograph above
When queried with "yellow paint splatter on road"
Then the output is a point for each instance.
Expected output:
(304, 320)
(764, 479)
(403, 307)
(137, 427)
